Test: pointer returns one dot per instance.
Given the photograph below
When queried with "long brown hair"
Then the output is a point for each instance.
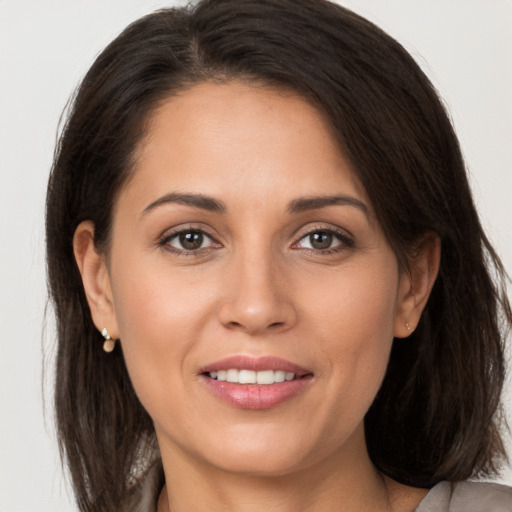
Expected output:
(436, 415)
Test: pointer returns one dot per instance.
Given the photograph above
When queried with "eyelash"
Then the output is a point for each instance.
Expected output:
(346, 242)
(165, 240)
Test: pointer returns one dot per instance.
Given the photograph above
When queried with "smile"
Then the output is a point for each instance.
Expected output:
(264, 377)
(255, 383)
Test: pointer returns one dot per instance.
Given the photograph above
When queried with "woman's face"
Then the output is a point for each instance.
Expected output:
(245, 252)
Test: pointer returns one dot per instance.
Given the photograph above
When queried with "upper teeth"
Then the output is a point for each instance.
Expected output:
(252, 377)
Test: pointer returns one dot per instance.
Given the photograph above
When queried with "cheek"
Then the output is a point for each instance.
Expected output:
(154, 302)
(159, 314)
(359, 301)
(355, 320)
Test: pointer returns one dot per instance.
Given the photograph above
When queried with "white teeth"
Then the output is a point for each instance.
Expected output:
(279, 376)
(265, 377)
(246, 377)
(232, 375)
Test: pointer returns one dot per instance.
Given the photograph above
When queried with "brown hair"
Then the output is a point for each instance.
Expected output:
(436, 415)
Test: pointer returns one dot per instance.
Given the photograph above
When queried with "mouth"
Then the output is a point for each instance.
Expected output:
(263, 377)
(255, 383)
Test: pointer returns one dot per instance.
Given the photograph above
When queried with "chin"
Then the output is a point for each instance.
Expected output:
(261, 452)
(260, 464)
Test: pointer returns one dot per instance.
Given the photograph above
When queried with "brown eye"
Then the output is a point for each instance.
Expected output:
(191, 240)
(324, 240)
(188, 241)
(321, 240)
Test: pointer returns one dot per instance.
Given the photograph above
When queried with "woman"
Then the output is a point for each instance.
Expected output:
(263, 208)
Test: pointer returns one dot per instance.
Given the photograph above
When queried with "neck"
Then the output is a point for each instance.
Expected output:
(340, 483)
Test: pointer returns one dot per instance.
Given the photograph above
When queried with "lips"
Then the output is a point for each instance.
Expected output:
(255, 383)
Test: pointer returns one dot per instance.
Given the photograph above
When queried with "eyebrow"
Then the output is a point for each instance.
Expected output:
(315, 202)
(296, 206)
(195, 200)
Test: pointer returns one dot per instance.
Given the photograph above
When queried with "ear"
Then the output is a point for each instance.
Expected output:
(416, 283)
(95, 278)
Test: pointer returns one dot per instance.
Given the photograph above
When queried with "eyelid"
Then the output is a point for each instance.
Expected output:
(171, 233)
(345, 237)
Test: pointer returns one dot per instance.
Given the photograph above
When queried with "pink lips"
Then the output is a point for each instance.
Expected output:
(256, 364)
(255, 396)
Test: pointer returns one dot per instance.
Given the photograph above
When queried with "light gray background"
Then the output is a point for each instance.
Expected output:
(465, 46)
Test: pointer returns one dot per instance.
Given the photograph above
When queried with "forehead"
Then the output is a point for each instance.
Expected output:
(240, 139)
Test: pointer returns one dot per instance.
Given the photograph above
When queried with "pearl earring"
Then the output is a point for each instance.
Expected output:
(408, 326)
(109, 343)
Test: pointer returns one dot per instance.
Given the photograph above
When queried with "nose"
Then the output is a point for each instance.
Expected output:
(256, 298)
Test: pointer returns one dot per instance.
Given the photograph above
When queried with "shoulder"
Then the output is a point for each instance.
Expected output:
(481, 497)
(467, 497)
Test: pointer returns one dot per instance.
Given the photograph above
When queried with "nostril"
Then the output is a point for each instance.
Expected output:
(272, 326)
(254, 316)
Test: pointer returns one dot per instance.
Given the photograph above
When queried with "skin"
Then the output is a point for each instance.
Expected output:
(257, 286)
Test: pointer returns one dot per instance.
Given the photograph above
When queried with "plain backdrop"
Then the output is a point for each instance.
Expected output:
(465, 46)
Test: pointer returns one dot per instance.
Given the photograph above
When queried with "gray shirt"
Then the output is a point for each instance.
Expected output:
(467, 497)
